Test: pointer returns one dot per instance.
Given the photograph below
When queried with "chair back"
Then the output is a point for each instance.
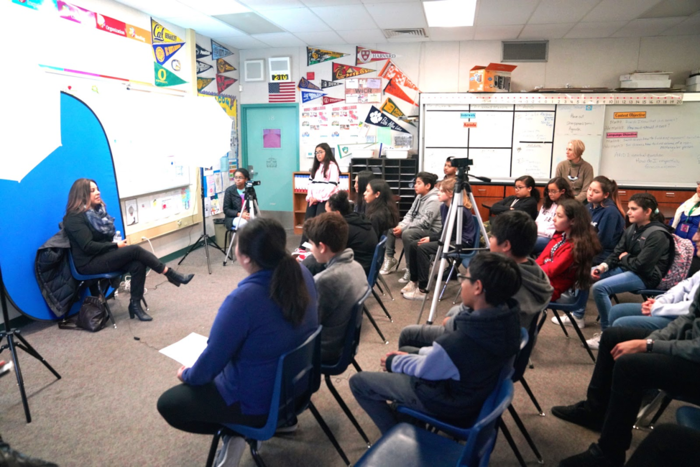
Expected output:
(377, 261)
(577, 305)
(523, 357)
(352, 339)
(298, 377)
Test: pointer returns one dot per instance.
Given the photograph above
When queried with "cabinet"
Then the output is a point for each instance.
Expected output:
(669, 200)
(300, 181)
(398, 173)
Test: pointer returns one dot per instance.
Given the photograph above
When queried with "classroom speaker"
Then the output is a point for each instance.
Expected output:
(525, 51)
(255, 70)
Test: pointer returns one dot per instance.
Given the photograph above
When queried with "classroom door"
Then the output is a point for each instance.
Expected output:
(270, 143)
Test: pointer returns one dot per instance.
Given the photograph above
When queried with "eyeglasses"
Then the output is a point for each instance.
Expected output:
(518, 188)
(553, 192)
(320, 152)
(461, 278)
(239, 178)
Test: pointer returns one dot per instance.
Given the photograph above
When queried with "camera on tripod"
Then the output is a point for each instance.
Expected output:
(460, 162)
(252, 183)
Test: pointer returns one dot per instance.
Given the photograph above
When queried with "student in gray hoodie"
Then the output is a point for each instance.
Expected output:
(421, 220)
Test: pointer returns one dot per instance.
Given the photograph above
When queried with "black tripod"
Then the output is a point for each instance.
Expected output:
(10, 334)
(204, 238)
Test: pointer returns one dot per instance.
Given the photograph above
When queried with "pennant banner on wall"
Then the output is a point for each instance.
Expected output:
(331, 100)
(222, 66)
(202, 67)
(394, 90)
(392, 72)
(203, 83)
(316, 56)
(392, 109)
(163, 52)
(363, 56)
(341, 71)
(202, 52)
(309, 96)
(329, 84)
(75, 13)
(165, 77)
(376, 118)
(228, 103)
(161, 34)
(306, 84)
(223, 83)
(219, 50)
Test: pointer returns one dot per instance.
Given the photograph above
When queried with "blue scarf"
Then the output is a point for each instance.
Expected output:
(101, 221)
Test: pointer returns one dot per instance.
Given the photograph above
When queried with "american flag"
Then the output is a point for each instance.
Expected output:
(282, 92)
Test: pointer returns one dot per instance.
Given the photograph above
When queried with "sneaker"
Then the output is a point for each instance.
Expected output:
(231, 452)
(388, 266)
(410, 287)
(593, 457)
(580, 322)
(406, 277)
(415, 294)
(594, 342)
(579, 414)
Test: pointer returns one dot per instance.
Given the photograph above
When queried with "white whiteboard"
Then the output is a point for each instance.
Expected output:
(493, 129)
(445, 129)
(492, 163)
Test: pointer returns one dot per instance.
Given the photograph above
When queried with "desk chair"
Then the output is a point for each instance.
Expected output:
(567, 309)
(689, 417)
(377, 261)
(298, 377)
(659, 404)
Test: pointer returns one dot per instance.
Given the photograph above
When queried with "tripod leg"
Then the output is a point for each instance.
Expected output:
(194, 246)
(18, 373)
(230, 246)
(32, 351)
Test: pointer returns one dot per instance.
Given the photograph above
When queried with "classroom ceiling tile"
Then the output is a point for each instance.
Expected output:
(296, 20)
(391, 1)
(313, 3)
(670, 8)
(320, 38)
(205, 25)
(397, 15)
(465, 33)
(270, 4)
(159, 8)
(345, 17)
(647, 27)
(497, 33)
(545, 31)
(363, 36)
(504, 12)
(690, 26)
(241, 42)
(562, 11)
(591, 30)
(251, 23)
(619, 10)
(215, 7)
(279, 39)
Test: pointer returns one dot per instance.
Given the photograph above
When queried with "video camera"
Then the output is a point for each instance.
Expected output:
(461, 162)
(252, 183)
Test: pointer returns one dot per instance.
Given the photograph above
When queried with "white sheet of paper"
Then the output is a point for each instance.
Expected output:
(187, 350)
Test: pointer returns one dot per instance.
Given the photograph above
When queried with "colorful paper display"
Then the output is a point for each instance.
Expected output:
(223, 83)
(309, 96)
(203, 83)
(364, 55)
(222, 66)
(165, 77)
(163, 51)
(390, 107)
(376, 118)
(306, 84)
(162, 34)
(341, 71)
(396, 91)
(202, 67)
(219, 50)
(392, 72)
(329, 84)
(316, 56)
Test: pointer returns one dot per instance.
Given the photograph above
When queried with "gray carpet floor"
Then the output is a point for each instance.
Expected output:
(102, 412)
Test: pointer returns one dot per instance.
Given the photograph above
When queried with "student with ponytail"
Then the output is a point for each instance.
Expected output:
(639, 261)
(607, 215)
(272, 311)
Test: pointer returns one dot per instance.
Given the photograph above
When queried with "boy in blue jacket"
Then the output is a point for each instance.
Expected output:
(451, 379)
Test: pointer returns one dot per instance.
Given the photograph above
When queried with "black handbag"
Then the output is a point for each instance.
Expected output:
(92, 316)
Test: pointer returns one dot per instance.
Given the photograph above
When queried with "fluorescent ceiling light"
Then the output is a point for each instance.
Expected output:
(450, 13)
(216, 7)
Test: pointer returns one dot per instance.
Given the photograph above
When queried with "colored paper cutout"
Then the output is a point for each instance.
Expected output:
(164, 51)
(316, 56)
(384, 136)
(272, 139)
(222, 66)
(219, 50)
(228, 103)
(341, 71)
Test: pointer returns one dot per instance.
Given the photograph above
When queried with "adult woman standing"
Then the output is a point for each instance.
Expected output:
(272, 311)
(381, 207)
(91, 232)
(325, 176)
(361, 181)
(578, 172)
(233, 201)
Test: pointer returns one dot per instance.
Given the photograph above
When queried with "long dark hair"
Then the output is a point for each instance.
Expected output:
(530, 183)
(264, 241)
(647, 201)
(79, 196)
(382, 210)
(584, 238)
(363, 178)
(609, 188)
(339, 202)
(327, 159)
(562, 184)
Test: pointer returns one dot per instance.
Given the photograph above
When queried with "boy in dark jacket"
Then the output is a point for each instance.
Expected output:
(451, 379)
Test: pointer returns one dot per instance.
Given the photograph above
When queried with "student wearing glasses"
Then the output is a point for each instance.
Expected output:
(578, 172)
(525, 198)
(233, 201)
(558, 190)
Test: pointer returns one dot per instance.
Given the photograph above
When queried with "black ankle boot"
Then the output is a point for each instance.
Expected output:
(176, 278)
(135, 309)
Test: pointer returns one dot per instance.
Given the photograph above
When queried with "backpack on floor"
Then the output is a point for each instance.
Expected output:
(681, 257)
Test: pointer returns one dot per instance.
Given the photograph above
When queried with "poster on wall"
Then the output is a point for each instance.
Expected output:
(341, 71)
(363, 91)
(375, 117)
(364, 55)
(315, 56)
(392, 72)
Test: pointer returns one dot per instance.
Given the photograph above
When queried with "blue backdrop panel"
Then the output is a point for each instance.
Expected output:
(33, 208)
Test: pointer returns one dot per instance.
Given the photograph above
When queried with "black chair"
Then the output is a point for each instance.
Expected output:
(660, 403)
(377, 261)
(352, 341)
(298, 377)
(230, 233)
(567, 309)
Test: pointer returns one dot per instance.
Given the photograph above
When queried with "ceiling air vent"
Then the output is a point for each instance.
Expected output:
(525, 51)
(416, 33)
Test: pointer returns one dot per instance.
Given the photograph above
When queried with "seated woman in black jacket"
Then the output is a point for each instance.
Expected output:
(233, 201)
(91, 231)
(525, 198)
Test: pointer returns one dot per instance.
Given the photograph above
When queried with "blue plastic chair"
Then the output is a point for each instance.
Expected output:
(103, 282)
(660, 403)
(352, 341)
(689, 417)
(377, 261)
(567, 309)
(298, 377)
(406, 445)
(465, 258)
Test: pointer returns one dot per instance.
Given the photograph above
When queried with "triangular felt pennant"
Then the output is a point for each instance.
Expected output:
(363, 56)
(202, 52)
(341, 71)
(309, 96)
(203, 83)
(219, 50)
(223, 83)
(331, 100)
(329, 84)
(222, 66)
(161, 34)
(316, 56)
(164, 51)
(306, 84)
(376, 118)
(390, 107)
(391, 71)
(394, 90)
(165, 77)
(202, 67)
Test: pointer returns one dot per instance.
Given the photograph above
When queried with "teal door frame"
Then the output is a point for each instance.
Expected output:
(244, 123)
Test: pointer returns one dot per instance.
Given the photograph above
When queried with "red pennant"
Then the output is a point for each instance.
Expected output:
(223, 83)
(391, 71)
(331, 100)
(395, 90)
(341, 71)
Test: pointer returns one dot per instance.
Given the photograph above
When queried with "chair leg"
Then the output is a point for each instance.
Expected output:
(255, 452)
(523, 430)
(509, 438)
(357, 367)
(543, 319)
(459, 292)
(374, 323)
(111, 317)
(212, 449)
(663, 400)
(532, 396)
(398, 263)
(379, 300)
(566, 333)
(328, 432)
(444, 287)
(230, 246)
(349, 414)
(381, 279)
(580, 334)
(145, 304)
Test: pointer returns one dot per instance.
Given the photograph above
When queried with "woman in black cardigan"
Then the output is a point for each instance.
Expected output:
(91, 231)
(525, 198)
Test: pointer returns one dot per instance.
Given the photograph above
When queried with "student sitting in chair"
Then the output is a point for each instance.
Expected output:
(451, 379)
(236, 215)
(607, 215)
(525, 198)
(339, 286)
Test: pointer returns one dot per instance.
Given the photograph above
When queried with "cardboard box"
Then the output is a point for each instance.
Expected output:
(693, 80)
(693, 88)
(644, 84)
(492, 78)
(651, 76)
